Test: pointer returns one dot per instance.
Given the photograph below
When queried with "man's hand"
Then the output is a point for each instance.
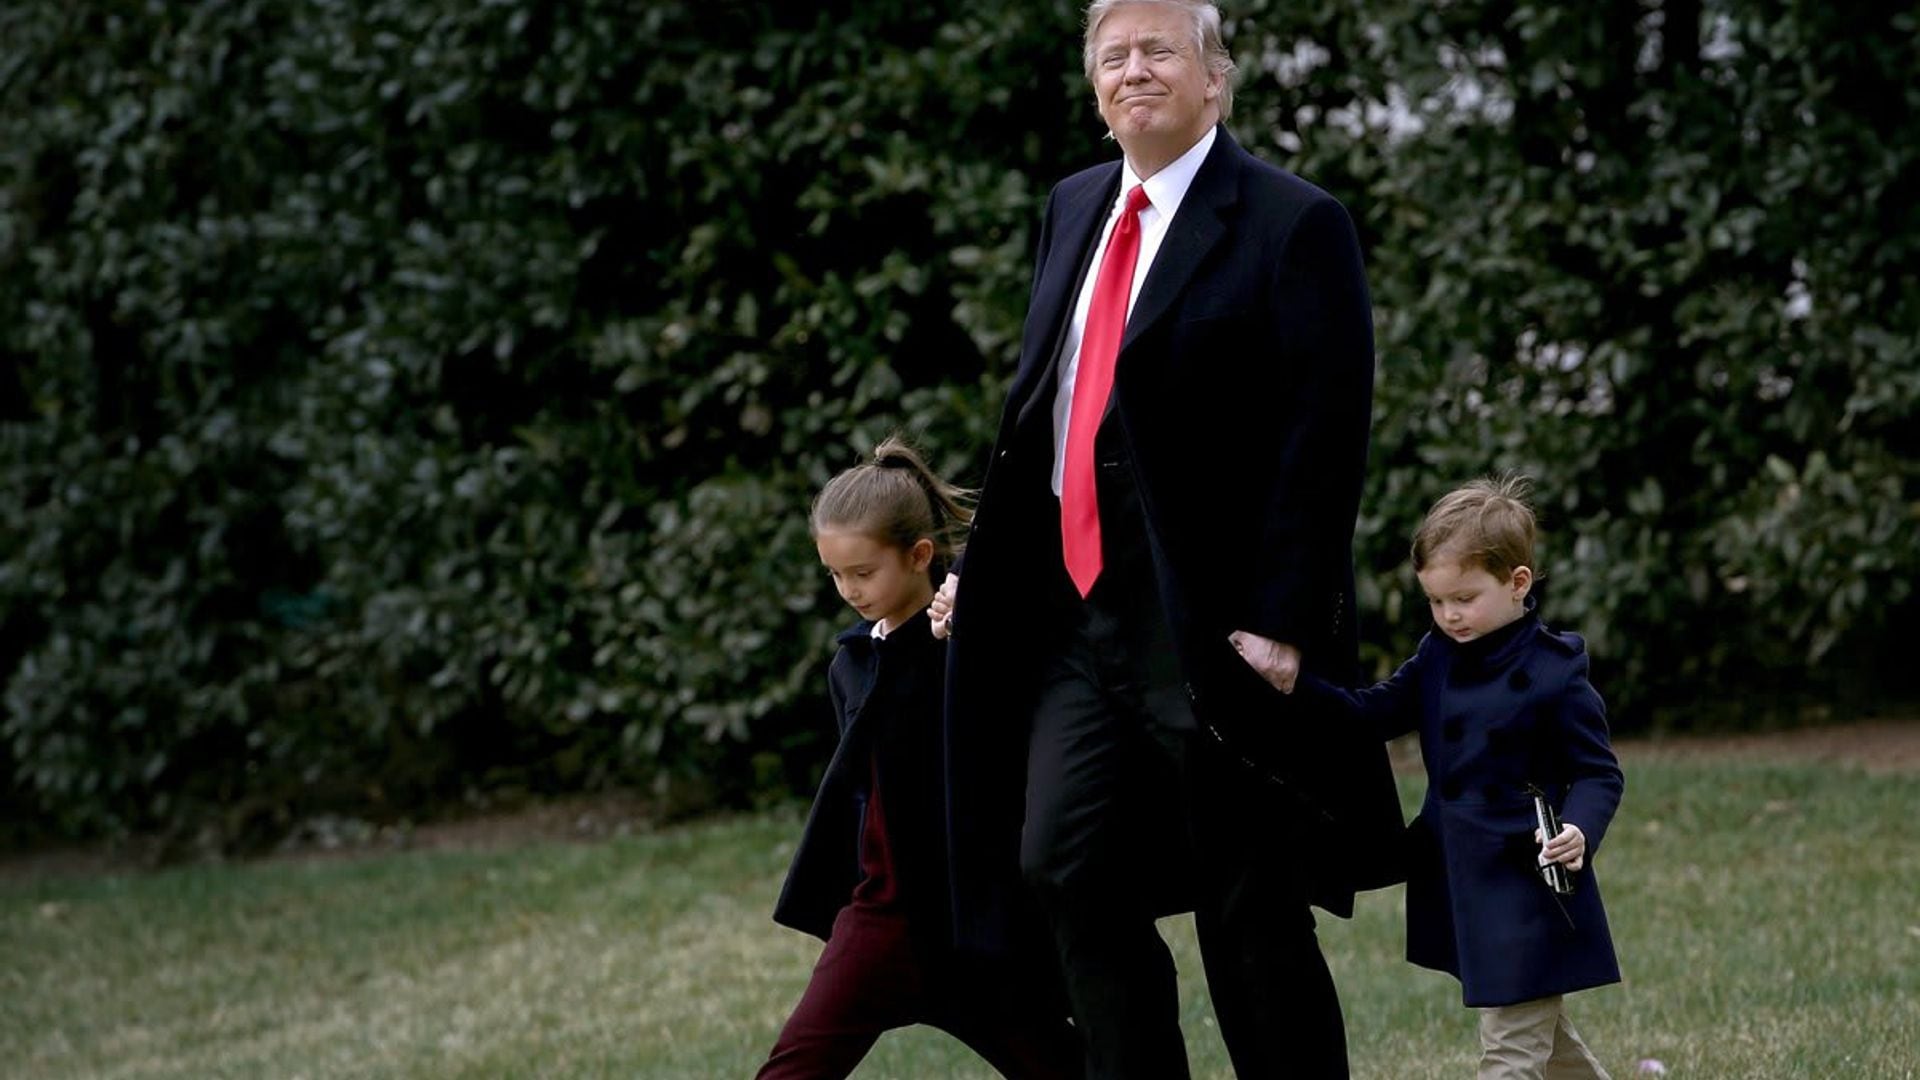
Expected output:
(942, 607)
(1277, 662)
(1569, 847)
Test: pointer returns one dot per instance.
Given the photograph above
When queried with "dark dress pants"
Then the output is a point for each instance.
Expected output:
(1129, 810)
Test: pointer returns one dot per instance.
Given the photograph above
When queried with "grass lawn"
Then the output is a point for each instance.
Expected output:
(1767, 916)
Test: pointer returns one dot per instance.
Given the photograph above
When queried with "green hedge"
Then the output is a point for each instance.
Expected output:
(1658, 256)
(407, 401)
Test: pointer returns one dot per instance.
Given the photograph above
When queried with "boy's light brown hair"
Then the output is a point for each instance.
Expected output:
(1487, 524)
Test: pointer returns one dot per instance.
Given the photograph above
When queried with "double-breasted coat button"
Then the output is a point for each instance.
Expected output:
(1519, 680)
(1450, 788)
(1452, 729)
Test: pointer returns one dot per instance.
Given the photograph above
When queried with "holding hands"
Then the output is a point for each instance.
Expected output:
(942, 607)
(1277, 662)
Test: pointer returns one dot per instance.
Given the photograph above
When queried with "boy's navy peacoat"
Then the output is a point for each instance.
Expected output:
(1497, 714)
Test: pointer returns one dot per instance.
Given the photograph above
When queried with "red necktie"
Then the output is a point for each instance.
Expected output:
(1092, 383)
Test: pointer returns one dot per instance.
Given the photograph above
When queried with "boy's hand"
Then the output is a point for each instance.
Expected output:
(1569, 847)
(942, 607)
(1277, 662)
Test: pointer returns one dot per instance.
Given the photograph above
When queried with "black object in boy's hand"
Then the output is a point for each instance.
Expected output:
(1553, 873)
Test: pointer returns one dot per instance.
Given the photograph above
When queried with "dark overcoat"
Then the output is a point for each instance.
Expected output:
(1496, 715)
(1243, 395)
(887, 696)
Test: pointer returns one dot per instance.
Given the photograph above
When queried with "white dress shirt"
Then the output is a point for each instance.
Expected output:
(1165, 190)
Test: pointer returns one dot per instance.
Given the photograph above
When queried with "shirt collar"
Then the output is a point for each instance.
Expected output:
(1168, 187)
(877, 631)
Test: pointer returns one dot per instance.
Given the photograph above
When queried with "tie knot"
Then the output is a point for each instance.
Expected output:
(1137, 199)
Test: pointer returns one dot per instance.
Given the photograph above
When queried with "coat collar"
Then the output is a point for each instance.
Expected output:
(915, 628)
(1500, 648)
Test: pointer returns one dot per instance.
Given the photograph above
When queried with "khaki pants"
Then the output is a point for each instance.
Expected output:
(1534, 1041)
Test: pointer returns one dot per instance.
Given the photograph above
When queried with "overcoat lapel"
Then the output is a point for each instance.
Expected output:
(1199, 225)
(1193, 232)
(1077, 231)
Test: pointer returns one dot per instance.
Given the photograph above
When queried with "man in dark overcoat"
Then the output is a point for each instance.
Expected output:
(1135, 601)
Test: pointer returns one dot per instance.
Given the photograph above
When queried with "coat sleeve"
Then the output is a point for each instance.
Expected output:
(1391, 707)
(1324, 329)
(836, 694)
(1594, 780)
(1042, 247)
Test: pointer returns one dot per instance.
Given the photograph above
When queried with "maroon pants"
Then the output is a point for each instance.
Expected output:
(869, 981)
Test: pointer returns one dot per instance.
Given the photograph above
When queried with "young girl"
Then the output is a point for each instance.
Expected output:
(1503, 707)
(870, 874)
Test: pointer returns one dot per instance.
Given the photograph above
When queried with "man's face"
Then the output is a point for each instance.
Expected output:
(1150, 81)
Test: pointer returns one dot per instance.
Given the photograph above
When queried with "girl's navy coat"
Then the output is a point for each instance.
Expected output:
(1497, 714)
(887, 696)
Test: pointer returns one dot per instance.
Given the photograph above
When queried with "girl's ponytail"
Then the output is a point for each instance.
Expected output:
(896, 498)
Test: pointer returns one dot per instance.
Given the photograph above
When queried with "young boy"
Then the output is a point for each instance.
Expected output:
(1503, 708)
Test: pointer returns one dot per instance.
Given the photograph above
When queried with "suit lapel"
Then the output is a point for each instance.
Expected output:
(1076, 233)
(1194, 231)
(1199, 225)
